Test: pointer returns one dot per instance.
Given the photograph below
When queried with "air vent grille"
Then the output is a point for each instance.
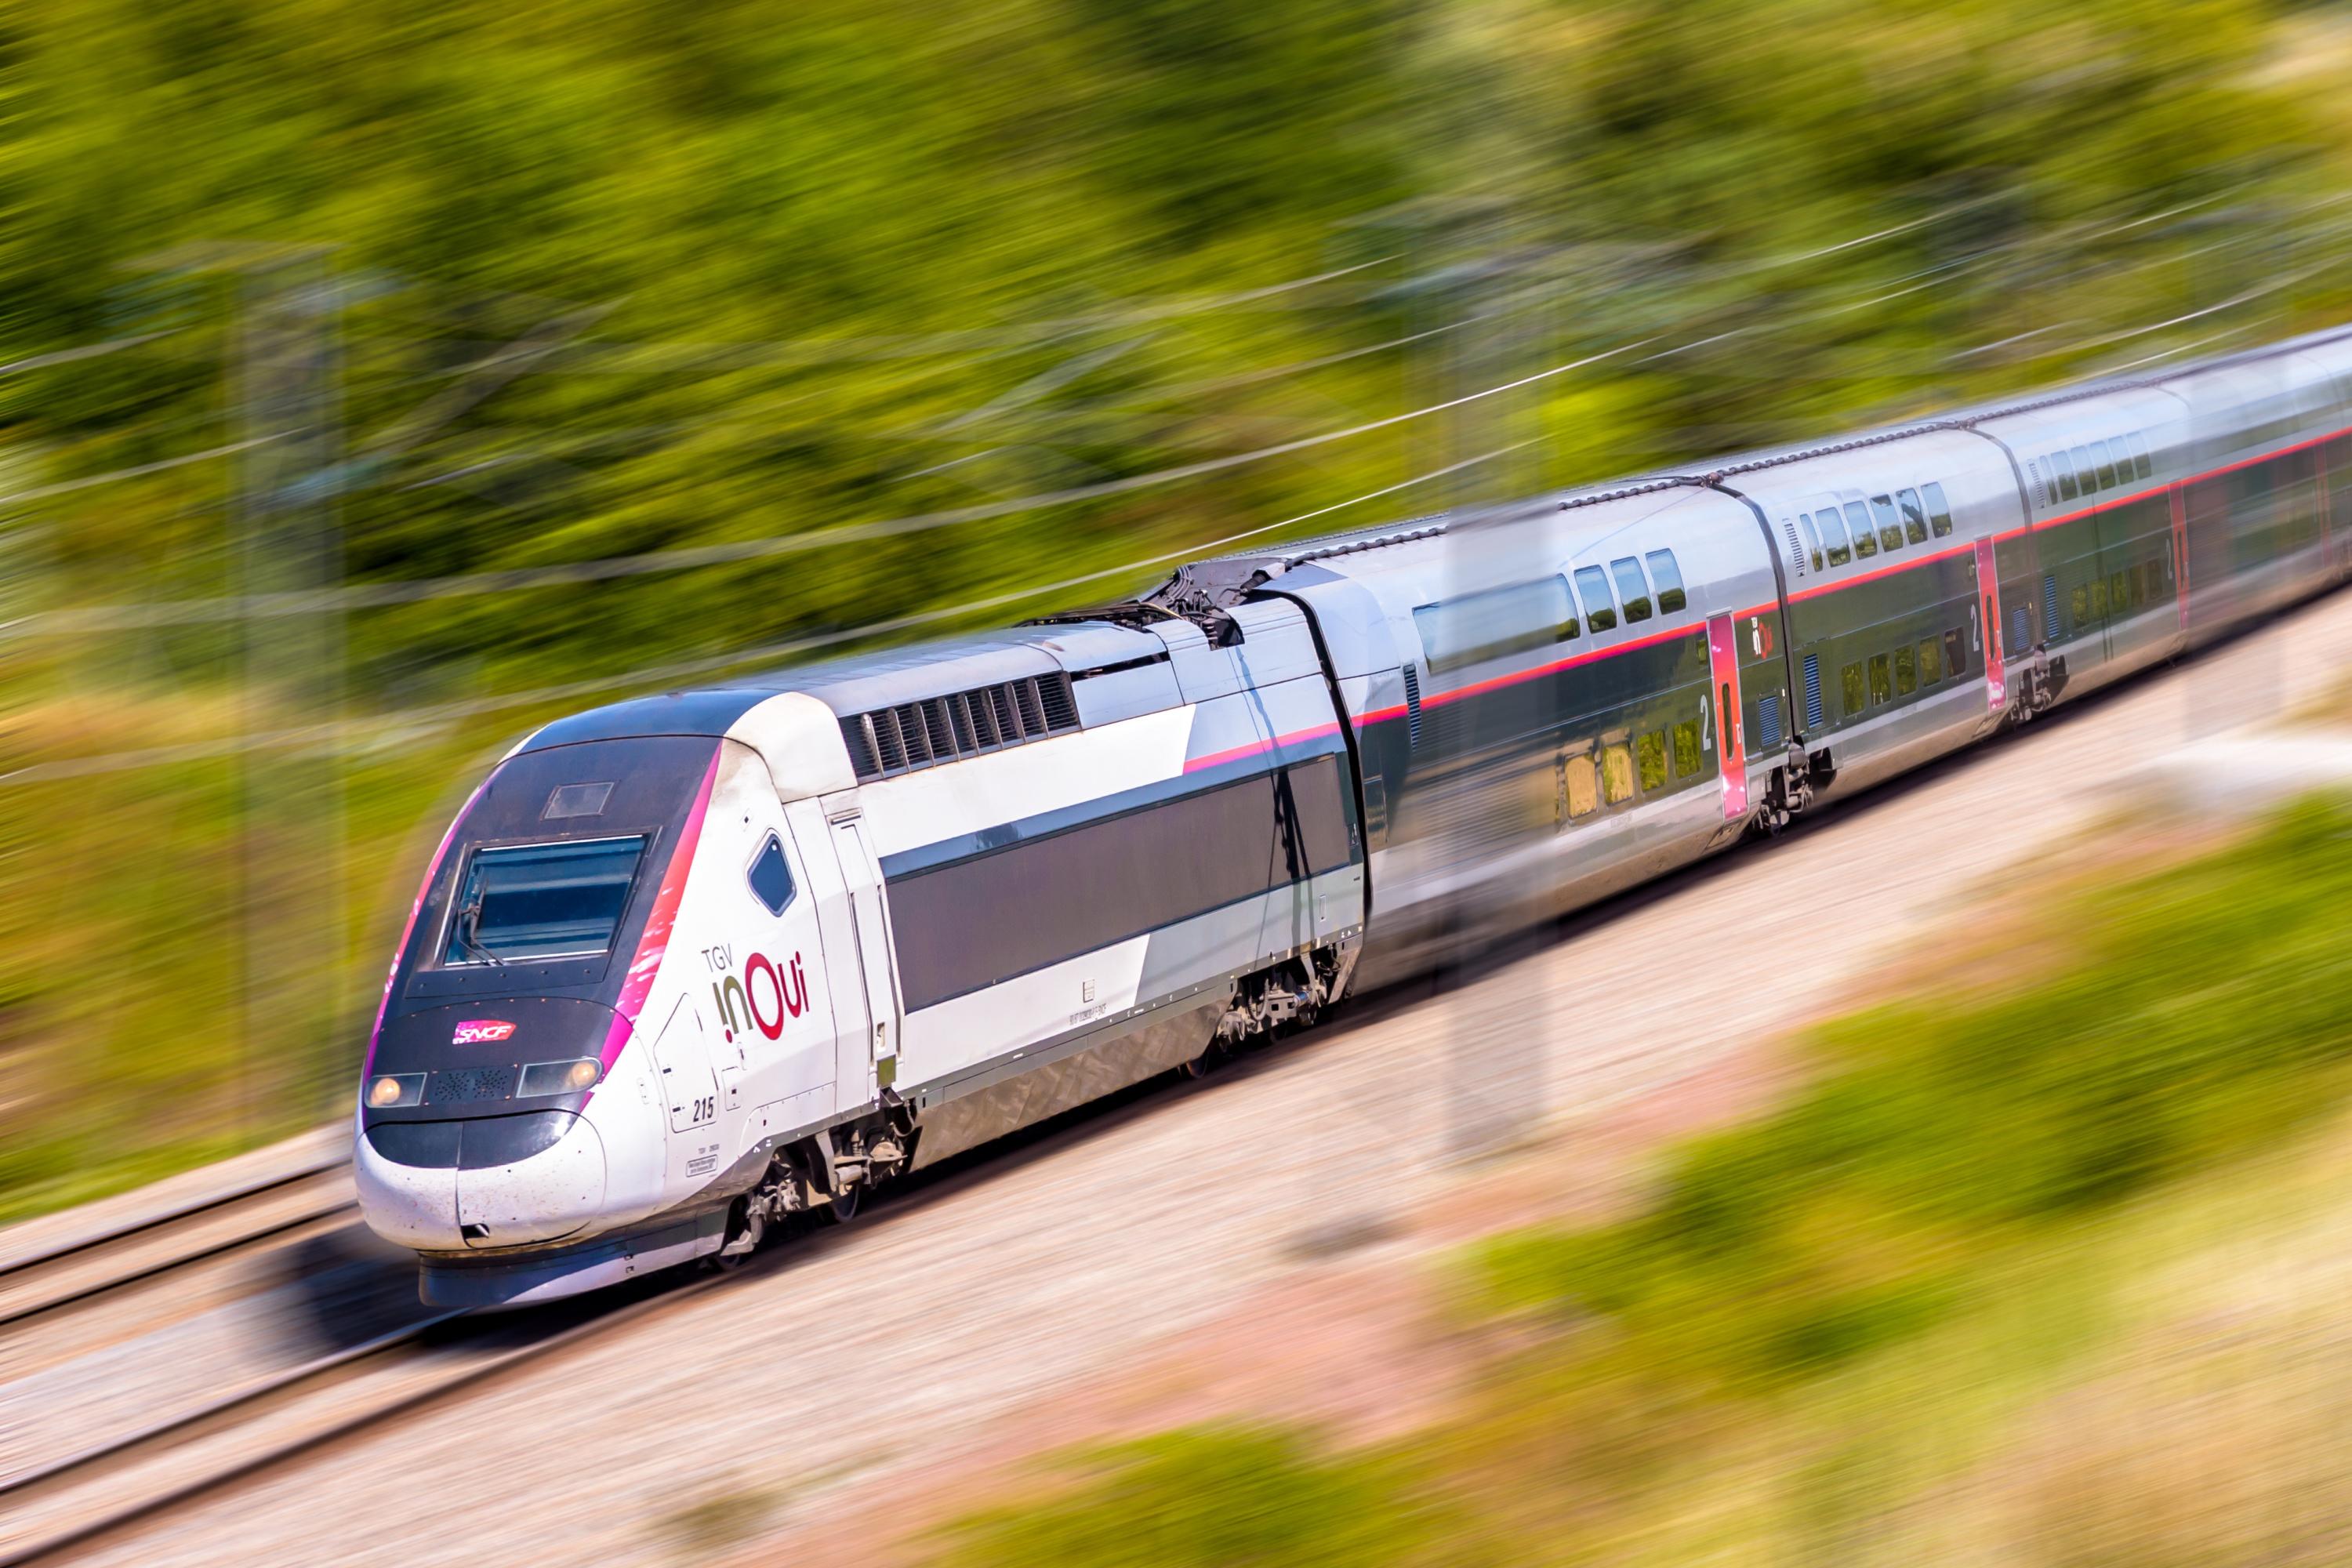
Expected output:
(936, 729)
(1411, 705)
(1812, 692)
(1768, 720)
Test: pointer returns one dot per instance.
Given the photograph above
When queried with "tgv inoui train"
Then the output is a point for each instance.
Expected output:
(686, 964)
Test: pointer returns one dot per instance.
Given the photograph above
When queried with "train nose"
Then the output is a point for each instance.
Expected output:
(480, 1182)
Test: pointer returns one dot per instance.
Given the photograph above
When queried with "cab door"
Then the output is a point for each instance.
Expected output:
(869, 932)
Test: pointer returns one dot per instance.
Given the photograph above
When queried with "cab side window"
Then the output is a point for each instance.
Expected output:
(771, 876)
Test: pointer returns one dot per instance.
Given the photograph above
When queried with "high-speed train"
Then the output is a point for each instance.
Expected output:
(688, 964)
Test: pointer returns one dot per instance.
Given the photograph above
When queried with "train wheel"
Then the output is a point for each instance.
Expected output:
(845, 1205)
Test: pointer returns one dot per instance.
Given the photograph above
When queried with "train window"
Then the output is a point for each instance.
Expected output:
(2105, 460)
(1616, 773)
(542, 901)
(1882, 685)
(1850, 688)
(1583, 786)
(1497, 622)
(2085, 476)
(1833, 534)
(1914, 516)
(1633, 589)
(1907, 673)
(2098, 598)
(1956, 653)
(2079, 601)
(2065, 476)
(1812, 538)
(1592, 587)
(1866, 539)
(771, 878)
(1939, 512)
(1931, 662)
(1890, 524)
(1669, 579)
(1650, 751)
(2142, 464)
(2119, 593)
(1687, 751)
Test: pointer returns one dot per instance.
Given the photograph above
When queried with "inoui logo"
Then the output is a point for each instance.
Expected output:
(738, 1000)
(481, 1032)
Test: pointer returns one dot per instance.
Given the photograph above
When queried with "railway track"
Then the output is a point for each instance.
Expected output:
(77, 1271)
(133, 1477)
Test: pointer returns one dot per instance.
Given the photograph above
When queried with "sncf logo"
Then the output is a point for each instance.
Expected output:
(481, 1032)
(766, 995)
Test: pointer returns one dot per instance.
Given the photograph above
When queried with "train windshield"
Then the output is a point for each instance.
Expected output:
(542, 900)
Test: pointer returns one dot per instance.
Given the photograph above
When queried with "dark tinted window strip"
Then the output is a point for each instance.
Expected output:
(1143, 797)
(971, 923)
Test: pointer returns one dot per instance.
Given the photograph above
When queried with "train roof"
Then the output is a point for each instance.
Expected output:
(1076, 645)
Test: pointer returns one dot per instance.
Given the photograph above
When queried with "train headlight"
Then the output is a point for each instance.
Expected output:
(396, 1089)
(559, 1078)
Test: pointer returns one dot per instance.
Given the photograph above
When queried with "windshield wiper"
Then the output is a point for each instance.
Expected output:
(468, 931)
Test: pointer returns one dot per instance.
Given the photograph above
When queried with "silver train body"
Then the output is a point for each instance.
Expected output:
(687, 965)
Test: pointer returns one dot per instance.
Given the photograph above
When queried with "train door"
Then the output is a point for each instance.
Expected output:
(869, 935)
(842, 985)
(1722, 660)
(1987, 615)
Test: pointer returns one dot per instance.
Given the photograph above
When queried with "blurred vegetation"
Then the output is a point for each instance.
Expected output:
(1833, 1315)
(616, 279)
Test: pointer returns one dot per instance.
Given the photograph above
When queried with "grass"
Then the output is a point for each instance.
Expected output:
(1862, 1328)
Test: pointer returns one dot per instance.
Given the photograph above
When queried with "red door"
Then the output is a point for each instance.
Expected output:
(1723, 657)
(1989, 591)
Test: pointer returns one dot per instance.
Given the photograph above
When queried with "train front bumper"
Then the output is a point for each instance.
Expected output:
(488, 1182)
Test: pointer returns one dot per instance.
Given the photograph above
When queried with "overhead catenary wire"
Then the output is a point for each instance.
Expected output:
(190, 612)
(409, 720)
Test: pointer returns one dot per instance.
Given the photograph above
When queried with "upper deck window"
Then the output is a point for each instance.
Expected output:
(1812, 538)
(2105, 461)
(2142, 464)
(1592, 587)
(1632, 589)
(1834, 535)
(1866, 536)
(1939, 510)
(2086, 476)
(1914, 516)
(2064, 472)
(1497, 622)
(542, 901)
(1669, 579)
(1890, 526)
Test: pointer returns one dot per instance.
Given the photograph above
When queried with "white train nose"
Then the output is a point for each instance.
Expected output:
(413, 1206)
(484, 1182)
(541, 1198)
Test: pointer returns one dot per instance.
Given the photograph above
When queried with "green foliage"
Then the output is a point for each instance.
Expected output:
(1227, 1497)
(2200, 1013)
(620, 278)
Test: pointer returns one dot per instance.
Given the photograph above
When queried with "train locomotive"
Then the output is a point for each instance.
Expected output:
(687, 965)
